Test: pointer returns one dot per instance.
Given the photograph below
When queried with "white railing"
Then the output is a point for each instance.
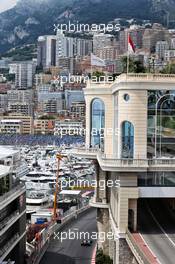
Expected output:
(155, 162)
(112, 160)
(98, 202)
(86, 150)
(145, 77)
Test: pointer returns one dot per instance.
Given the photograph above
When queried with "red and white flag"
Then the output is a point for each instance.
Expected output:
(131, 46)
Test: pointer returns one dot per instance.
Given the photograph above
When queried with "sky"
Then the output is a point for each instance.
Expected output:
(6, 4)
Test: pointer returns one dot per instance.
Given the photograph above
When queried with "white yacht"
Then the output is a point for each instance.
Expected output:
(37, 200)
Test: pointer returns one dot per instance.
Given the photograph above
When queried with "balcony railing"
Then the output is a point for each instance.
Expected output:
(98, 203)
(133, 77)
(8, 220)
(13, 191)
(90, 153)
(111, 160)
(161, 162)
(8, 245)
(86, 150)
(114, 161)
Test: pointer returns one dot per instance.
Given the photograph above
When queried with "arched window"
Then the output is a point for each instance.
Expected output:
(127, 140)
(97, 123)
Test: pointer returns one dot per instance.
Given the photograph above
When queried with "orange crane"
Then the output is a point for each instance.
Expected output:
(58, 157)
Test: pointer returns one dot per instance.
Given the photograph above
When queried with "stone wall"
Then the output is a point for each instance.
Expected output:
(125, 254)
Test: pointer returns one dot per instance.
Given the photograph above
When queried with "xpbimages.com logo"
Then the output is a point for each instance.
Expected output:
(75, 234)
(80, 28)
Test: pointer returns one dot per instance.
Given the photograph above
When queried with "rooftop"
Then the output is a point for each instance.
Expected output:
(145, 77)
(11, 121)
(70, 192)
(145, 81)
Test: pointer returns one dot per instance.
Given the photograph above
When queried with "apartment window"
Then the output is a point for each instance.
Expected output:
(127, 140)
(97, 123)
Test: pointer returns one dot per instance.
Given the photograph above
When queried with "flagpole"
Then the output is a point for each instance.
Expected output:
(127, 71)
(91, 69)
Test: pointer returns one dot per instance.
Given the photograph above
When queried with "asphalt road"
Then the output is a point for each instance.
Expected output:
(70, 251)
(157, 226)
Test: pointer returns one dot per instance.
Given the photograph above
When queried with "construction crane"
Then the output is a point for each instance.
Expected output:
(59, 158)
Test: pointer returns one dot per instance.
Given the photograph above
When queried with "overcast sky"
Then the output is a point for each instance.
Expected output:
(6, 4)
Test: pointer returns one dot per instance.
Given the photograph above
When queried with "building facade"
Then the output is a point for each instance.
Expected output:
(65, 46)
(11, 126)
(46, 53)
(27, 122)
(68, 127)
(130, 136)
(12, 210)
(44, 127)
(102, 40)
(24, 74)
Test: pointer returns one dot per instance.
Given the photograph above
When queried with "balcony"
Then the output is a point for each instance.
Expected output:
(8, 247)
(9, 221)
(110, 163)
(88, 153)
(98, 203)
(10, 196)
(145, 77)
(159, 164)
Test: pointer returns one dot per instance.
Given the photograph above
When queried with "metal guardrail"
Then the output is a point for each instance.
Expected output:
(137, 252)
(40, 250)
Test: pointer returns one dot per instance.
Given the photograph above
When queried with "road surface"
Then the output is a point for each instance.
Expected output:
(157, 226)
(70, 251)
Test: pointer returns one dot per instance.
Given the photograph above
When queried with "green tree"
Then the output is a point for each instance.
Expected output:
(47, 117)
(169, 69)
(135, 66)
(98, 74)
(102, 258)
